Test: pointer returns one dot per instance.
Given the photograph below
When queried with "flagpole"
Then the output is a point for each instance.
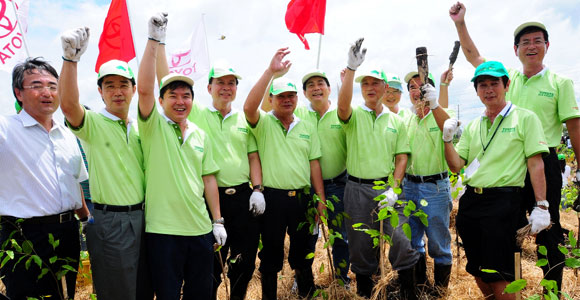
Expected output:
(206, 43)
(20, 28)
(131, 25)
(319, 46)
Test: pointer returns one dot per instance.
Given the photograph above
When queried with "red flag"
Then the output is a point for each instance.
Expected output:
(305, 16)
(116, 41)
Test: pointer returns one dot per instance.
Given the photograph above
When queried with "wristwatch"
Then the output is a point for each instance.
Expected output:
(219, 221)
(544, 204)
(258, 187)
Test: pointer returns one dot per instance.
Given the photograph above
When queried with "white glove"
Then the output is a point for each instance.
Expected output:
(450, 128)
(158, 27)
(578, 176)
(430, 95)
(257, 203)
(540, 219)
(355, 55)
(74, 43)
(390, 199)
(219, 232)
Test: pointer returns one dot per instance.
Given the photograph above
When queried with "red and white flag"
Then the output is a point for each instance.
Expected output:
(116, 41)
(12, 48)
(305, 16)
(192, 60)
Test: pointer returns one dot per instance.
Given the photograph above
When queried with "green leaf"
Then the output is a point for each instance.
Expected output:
(383, 214)
(27, 263)
(411, 205)
(397, 190)
(563, 249)
(43, 272)
(534, 297)
(70, 268)
(15, 245)
(424, 202)
(321, 270)
(37, 260)
(488, 271)
(378, 187)
(379, 182)
(357, 225)
(542, 250)
(541, 262)
(4, 261)
(572, 239)
(330, 206)
(549, 284)
(515, 286)
(573, 263)
(576, 252)
(407, 230)
(10, 254)
(310, 255)
(27, 247)
(53, 259)
(394, 220)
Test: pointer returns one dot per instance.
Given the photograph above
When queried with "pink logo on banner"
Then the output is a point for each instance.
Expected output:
(11, 41)
(181, 63)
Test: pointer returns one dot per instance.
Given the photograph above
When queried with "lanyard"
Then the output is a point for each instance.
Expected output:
(494, 132)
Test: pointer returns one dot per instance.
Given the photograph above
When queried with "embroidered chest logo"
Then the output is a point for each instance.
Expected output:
(335, 126)
(198, 149)
(546, 94)
(393, 130)
(513, 129)
(244, 130)
(432, 129)
(304, 136)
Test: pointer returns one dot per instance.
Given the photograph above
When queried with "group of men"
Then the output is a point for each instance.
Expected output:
(194, 178)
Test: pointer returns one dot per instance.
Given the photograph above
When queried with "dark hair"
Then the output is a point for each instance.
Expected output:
(100, 81)
(504, 79)
(529, 29)
(211, 79)
(429, 80)
(325, 80)
(175, 85)
(28, 66)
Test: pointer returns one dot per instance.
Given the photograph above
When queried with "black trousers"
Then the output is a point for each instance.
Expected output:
(284, 213)
(554, 236)
(22, 283)
(242, 242)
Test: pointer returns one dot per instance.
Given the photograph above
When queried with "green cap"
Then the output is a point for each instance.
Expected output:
(375, 73)
(415, 73)
(393, 81)
(174, 77)
(281, 85)
(490, 68)
(529, 24)
(115, 67)
(313, 73)
(17, 107)
(217, 72)
(561, 156)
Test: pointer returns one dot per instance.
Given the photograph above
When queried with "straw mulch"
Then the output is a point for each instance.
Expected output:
(461, 286)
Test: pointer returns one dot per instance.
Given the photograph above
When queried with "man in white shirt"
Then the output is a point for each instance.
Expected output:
(41, 169)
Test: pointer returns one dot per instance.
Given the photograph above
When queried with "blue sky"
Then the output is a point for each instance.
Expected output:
(254, 29)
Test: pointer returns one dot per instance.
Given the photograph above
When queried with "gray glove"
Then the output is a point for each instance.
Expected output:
(390, 198)
(355, 55)
(540, 219)
(450, 128)
(430, 95)
(257, 203)
(219, 232)
(74, 43)
(158, 27)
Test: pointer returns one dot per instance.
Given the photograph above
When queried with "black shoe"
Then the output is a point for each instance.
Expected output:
(364, 285)
(421, 270)
(305, 282)
(442, 274)
(407, 279)
(269, 286)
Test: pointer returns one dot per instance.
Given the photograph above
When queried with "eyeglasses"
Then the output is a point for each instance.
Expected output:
(393, 92)
(536, 43)
(39, 88)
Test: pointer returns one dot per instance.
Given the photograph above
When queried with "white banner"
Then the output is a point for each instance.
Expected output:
(192, 62)
(12, 48)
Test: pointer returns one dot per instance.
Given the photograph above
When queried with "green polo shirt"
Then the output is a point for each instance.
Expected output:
(373, 141)
(286, 155)
(332, 139)
(115, 159)
(427, 149)
(504, 162)
(404, 113)
(232, 136)
(174, 169)
(549, 95)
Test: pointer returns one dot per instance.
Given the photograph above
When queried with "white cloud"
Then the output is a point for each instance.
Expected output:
(255, 29)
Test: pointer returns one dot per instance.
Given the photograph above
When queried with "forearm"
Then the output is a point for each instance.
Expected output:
(212, 196)
(68, 92)
(467, 45)
(255, 97)
(82, 212)
(443, 96)
(161, 66)
(440, 116)
(255, 168)
(146, 79)
(537, 176)
(400, 167)
(573, 126)
(454, 161)
(345, 95)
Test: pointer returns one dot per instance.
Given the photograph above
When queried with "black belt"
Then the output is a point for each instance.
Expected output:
(119, 208)
(425, 179)
(503, 189)
(290, 193)
(53, 219)
(337, 179)
(367, 181)
(233, 189)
